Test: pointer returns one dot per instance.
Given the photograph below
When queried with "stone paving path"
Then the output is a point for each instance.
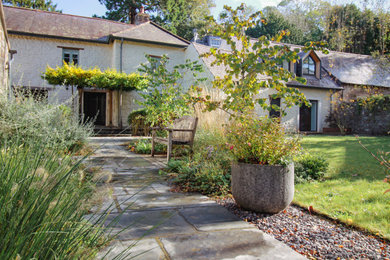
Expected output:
(172, 225)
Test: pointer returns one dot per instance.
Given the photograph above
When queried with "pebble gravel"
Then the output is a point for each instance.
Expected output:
(313, 236)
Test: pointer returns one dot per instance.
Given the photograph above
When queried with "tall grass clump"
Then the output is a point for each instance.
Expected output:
(44, 195)
(43, 201)
(26, 120)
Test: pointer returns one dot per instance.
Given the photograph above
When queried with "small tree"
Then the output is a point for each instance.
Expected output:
(164, 97)
(252, 65)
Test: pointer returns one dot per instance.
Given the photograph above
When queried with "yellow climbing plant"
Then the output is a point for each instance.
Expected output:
(73, 75)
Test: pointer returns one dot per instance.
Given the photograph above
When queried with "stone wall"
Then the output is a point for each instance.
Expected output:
(367, 116)
(369, 123)
(352, 92)
(4, 54)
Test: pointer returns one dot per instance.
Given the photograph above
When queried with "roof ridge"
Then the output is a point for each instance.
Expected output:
(350, 53)
(131, 28)
(73, 15)
(169, 32)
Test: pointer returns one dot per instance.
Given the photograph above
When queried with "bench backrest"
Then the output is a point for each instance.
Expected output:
(185, 122)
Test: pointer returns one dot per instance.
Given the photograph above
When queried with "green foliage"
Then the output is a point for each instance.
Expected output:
(164, 97)
(137, 122)
(261, 141)
(354, 30)
(374, 103)
(351, 114)
(43, 191)
(25, 120)
(362, 28)
(125, 10)
(72, 75)
(46, 5)
(182, 16)
(144, 146)
(310, 167)
(43, 203)
(274, 23)
(252, 65)
(207, 170)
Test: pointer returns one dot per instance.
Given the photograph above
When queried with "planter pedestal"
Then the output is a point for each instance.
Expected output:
(263, 188)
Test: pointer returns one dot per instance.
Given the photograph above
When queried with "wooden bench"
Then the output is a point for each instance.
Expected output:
(181, 132)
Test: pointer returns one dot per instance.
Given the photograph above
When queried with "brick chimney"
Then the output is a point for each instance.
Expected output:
(141, 17)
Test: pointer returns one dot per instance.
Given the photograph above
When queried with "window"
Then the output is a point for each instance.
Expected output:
(70, 56)
(274, 113)
(309, 66)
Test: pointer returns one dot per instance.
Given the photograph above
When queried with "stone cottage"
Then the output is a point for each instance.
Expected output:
(348, 75)
(44, 38)
(5, 54)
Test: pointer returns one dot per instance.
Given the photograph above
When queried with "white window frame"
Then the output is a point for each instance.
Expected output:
(74, 55)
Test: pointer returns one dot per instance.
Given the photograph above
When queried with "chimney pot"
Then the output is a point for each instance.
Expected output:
(141, 17)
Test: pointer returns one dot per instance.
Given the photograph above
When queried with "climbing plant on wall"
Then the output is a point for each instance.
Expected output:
(72, 75)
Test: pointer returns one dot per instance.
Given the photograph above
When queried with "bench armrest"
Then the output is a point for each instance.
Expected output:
(178, 130)
(172, 129)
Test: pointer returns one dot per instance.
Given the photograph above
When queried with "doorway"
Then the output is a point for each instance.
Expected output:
(95, 107)
(308, 117)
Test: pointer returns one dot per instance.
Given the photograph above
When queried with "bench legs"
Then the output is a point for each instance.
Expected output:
(153, 135)
(169, 148)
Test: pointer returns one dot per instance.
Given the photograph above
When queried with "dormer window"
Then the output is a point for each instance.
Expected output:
(309, 66)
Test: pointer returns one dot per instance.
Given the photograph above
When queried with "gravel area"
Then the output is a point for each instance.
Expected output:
(313, 236)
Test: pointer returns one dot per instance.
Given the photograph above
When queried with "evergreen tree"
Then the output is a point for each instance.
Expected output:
(46, 5)
(179, 16)
(126, 10)
(183, 16)
(274, 24)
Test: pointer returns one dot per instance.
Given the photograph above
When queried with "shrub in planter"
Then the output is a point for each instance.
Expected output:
(263, 177)
(310, 167)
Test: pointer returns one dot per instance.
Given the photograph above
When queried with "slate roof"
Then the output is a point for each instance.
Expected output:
(51, 24)
(356, 69)
(326, 82)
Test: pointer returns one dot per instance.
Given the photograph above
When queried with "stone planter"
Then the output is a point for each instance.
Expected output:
(263, 188)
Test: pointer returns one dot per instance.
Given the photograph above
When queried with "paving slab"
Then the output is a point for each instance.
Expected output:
(232, 244)
(168, 200)
(213, 217)
(145, 249)
(158, 223)
(171, 225)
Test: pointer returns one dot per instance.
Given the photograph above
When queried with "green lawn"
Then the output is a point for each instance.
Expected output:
(353, 189)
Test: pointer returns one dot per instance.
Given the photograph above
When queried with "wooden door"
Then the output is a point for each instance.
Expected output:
(95, 107)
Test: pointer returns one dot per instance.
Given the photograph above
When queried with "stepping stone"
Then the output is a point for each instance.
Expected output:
(232, 244)
(149, 223)
(145, 249)
(213, 217)
(169, 200)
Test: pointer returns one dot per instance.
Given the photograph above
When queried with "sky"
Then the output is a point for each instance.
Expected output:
(90, 7)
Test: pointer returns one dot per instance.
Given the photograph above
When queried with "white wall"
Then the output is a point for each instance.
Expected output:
(133, 55)
(35, 54)
(291, 119)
